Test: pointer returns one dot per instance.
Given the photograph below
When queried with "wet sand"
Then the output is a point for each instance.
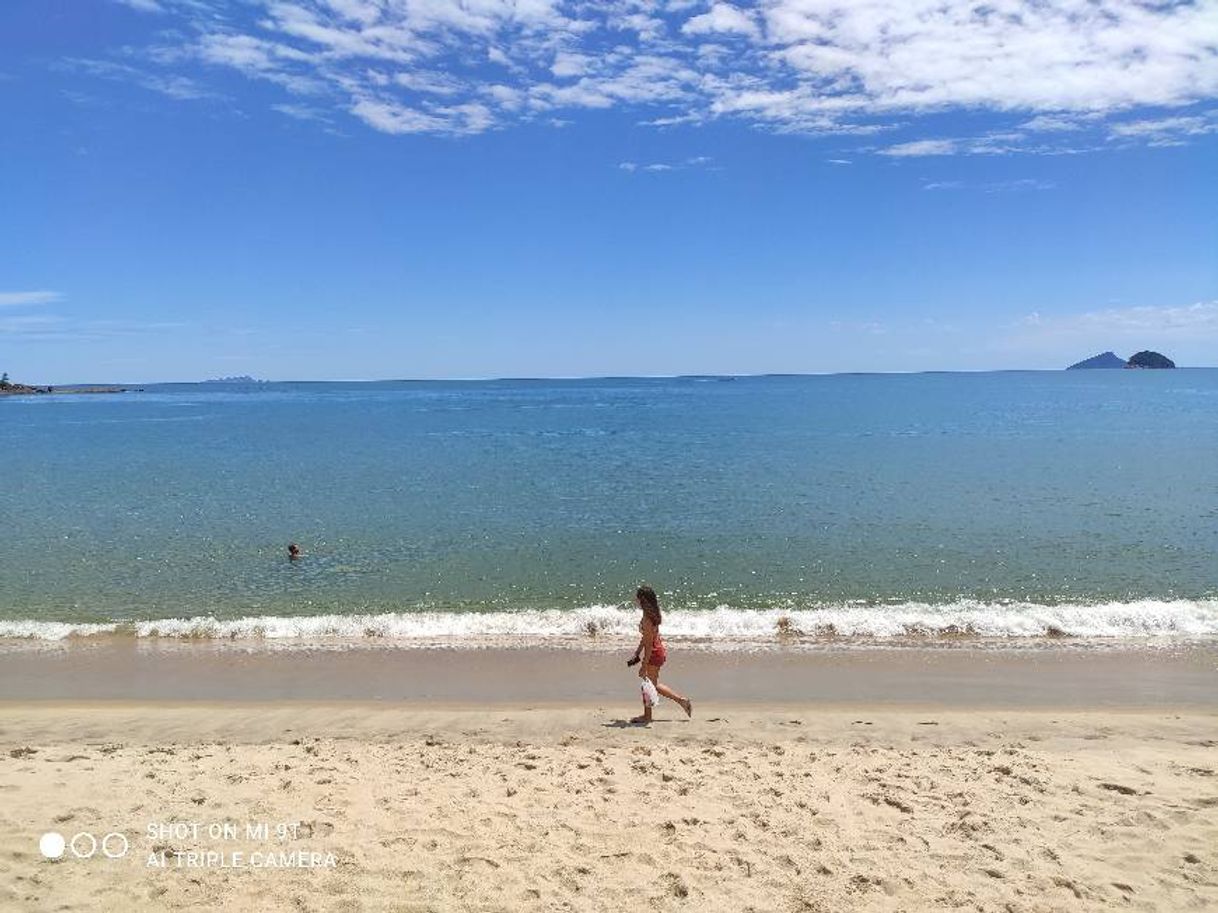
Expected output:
(1051, 677)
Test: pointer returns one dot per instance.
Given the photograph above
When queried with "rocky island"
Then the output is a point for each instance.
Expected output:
(1144, 359)
(1148, 359)
(238, 379)
(1103, 360)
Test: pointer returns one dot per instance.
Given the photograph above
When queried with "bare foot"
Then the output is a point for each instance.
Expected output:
(640, 720)
(689, 707)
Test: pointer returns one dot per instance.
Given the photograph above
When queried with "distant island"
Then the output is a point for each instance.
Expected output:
(1149, 359)
(1144, 359)
(1103, 360)
(238, 379)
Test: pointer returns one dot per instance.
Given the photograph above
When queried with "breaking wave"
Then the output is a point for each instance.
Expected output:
(723, 626)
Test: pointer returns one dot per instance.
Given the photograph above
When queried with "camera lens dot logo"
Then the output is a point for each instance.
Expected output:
(52, 845)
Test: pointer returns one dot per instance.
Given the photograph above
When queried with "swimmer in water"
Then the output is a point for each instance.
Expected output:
(293, 552)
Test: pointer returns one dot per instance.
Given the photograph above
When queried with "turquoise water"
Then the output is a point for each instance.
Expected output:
(1019, 501)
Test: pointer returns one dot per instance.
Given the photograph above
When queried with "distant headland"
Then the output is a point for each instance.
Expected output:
(238, 379)
(1143, 359)
(9, 388)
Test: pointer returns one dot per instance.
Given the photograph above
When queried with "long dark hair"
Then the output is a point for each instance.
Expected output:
(651, 605)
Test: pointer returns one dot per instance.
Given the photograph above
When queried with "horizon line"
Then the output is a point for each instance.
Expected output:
(585, 377)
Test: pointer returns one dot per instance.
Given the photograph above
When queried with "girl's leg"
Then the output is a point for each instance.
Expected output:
(653, 673)
(645, 717)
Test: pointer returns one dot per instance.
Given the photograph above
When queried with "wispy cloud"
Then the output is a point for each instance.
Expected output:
(697, 161)
(18, 299)
(1165, 131)
(1047, 69)
(301, 112)
(144, 6)
(1014, 186)
(30, 326)
(922, 147)
(1199, 319)
(57, 328)
(171, 85)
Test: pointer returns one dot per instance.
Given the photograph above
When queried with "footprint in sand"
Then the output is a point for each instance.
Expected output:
(481, 860)
(1069, 885)
(1118, 788)
(676, 885)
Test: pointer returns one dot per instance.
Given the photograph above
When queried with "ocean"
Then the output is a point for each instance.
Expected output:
(1019, 506)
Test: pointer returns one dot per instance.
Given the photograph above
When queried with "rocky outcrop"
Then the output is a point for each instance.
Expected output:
(1148, 359)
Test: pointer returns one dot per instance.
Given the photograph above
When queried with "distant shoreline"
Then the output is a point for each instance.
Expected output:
(227, 386)
(50, 390)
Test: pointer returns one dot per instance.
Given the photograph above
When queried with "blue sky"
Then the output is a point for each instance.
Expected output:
(429, 188)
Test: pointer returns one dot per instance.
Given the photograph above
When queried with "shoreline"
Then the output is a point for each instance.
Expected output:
(1178, 676)
(52, 390)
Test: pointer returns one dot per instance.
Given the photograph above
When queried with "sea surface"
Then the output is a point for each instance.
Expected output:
(1006, 505)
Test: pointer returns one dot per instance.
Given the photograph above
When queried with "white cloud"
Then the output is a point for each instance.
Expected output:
(21, 299)
(722, 17)
(1020, 184)
(144, 6)
(391, 117)
(301, 112)
(1058, 123)
(923, 147)
(430, 82)
(567, 64)
(1048, 68)
(1005, 143)
(1165, 131)
(696, 161)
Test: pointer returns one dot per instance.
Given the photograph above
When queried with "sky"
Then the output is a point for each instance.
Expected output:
(369, 189)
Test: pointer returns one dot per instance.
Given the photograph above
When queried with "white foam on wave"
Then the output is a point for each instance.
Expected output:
(723, 625)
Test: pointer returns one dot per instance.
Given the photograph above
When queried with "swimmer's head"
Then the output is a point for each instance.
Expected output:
(293, 551)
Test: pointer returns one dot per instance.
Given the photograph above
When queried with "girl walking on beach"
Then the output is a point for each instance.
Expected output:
(652, 652)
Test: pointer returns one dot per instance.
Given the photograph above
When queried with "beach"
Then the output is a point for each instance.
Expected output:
(414, 394)
(958, 654)
(931, 797)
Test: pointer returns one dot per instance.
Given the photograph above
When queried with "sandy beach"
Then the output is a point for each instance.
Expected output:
(320, 805)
